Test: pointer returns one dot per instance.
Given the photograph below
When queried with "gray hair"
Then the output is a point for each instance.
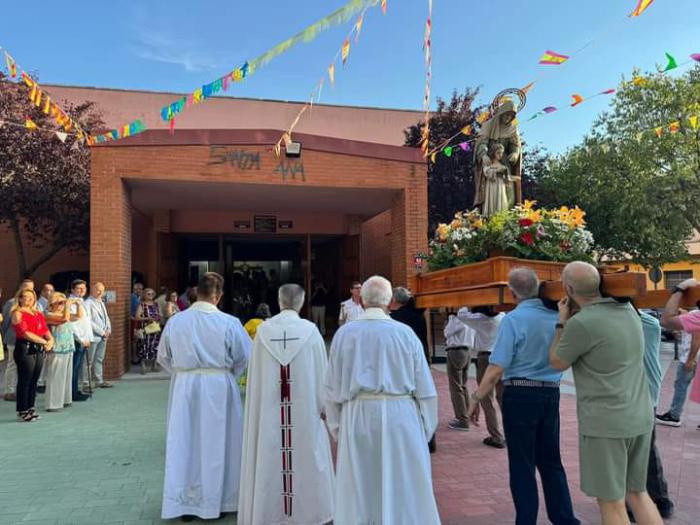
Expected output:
(524, 283)
(402, 295)
(291, 297)
(376, 292)
(583, 278)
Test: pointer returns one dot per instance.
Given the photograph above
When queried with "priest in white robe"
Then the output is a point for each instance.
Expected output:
(381, 406)
(205, 350)
(287, 473)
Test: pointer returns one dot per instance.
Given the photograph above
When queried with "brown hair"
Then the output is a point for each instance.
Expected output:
(210, 284)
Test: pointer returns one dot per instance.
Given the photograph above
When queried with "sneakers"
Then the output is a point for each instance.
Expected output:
(105, 385)
(456, 424)
(668, 420)
(490, 442)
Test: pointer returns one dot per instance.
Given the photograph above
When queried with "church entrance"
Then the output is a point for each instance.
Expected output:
(254, 268)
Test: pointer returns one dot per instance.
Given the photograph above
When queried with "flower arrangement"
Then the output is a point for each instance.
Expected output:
(523, 231)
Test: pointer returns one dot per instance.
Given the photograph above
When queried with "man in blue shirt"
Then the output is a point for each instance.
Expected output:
(530, 403)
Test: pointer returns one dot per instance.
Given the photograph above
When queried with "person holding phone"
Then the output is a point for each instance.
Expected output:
(33, 338)
(59, 363)
(82, 333)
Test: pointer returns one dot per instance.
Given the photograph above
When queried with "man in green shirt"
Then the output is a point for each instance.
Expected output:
(604, 344)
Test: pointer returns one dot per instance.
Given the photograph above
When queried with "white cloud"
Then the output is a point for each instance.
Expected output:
(158, 47)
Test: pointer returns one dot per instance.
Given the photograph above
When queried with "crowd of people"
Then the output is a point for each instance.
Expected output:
(55, 344)
(373, 393)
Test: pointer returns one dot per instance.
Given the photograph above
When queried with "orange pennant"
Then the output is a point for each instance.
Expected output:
(577, 100)
(345, 51)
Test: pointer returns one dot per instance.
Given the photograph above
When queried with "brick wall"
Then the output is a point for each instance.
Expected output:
(375, 246)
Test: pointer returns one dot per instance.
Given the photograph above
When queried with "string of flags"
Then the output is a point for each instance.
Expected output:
(32, 126)
(642, 5)
(428, 59)
(240, 73)
(344, 53)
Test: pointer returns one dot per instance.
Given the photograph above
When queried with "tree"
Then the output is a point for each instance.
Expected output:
(44, 183)
(641, 192)
(451, 179)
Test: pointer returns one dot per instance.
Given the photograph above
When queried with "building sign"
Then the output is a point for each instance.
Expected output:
(235, 157)
(265, 224)
(241, 225)
(286, 225)
(290, 169)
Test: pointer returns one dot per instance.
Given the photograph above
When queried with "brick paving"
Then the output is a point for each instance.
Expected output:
(102, 462)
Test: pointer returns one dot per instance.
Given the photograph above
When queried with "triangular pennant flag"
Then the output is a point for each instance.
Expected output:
(549, 109)
(345, 51)
(674, 127)
(466, 130)
(659, 131)
(550, 58)
(432, 157)
(448, 151)
(61, 136)
(528, 87)
(358, 27)
(639, 136)
(383, 6)
(278, 148)
(11, 65)
(607, 92)
(464, 146)
(642, 5)
(533, 117)
(483, 117)
(695, 56)
(515, 122)
(693, 121)
(172, 126)
(29, 124)
(577, 99)
(672, 64)
(331, 73)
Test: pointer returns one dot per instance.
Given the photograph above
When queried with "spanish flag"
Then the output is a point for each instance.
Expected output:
(642, 5)
(550, 58)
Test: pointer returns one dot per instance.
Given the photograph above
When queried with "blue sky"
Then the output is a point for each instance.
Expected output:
(177, 45)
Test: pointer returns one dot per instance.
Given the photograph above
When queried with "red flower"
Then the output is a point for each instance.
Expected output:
(565, 246)
(525, 222)
(527, 238)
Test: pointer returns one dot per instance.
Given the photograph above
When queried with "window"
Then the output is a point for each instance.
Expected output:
(675, 278)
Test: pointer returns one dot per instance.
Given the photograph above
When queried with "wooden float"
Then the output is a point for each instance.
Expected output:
(486, 283)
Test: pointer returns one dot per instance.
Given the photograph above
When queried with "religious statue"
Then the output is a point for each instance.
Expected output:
(500, 129)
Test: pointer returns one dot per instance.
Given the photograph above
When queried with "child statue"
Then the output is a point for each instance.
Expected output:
(497, 179)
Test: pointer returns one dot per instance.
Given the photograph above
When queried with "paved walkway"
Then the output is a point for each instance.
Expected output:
(102, 462)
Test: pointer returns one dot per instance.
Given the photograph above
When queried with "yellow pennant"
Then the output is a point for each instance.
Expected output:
(345, 51)
(29, 124)
(693, 121)
(331, 73)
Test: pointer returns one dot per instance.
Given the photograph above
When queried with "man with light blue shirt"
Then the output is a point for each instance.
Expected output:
(530, 403)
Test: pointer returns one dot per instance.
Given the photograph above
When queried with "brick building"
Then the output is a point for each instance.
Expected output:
(213, 196)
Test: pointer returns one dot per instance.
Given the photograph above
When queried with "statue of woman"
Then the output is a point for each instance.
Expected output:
(500, 129)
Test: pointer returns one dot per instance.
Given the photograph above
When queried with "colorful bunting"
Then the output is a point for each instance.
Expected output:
(528, 87)
(383, 6)
(483, 117)
(550, 58)
(674, 127)
(466, 130)
(345, 51)
(448, 151)
(432, 157)
(464, 146)
(61, 136)
(127, 130)
(672, 64)
(331, 74)
(695, 56)
(11, 65)
(693, 121)
(578, 99)
(608, 92)
(549, 109)
(642, 5)
(358, 26)
(29, 124)
(659, 131)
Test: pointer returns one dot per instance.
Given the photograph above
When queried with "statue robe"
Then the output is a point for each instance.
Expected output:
(381, 406)
(507, 135)
(205, 350)
(287, 474)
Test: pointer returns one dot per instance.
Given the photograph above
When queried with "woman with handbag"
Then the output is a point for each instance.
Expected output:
(148, 312)
(33, 339)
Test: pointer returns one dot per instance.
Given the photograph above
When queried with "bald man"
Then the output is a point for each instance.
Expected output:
(604, 344)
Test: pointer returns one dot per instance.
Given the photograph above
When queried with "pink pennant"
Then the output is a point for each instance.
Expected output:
(464, 146)
(549, 109)
(695, 56)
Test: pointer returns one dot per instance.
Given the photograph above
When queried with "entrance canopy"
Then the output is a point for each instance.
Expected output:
(357, 206)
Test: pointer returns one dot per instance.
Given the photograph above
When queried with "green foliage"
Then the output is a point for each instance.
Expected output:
(641, 192)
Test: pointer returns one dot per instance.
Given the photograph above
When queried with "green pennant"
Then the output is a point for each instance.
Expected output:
(672, 64)
(448, 151)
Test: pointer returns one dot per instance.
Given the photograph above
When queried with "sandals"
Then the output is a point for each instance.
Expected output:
(27, 416)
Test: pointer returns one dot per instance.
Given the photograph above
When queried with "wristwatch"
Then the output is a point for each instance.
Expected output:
(559, 326)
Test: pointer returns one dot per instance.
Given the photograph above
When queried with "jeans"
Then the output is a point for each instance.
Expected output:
(656, 482)
(29, 366)
(10, 371)
(97, 357)
(531, 424)
(458, 359)
(680, 389)
(77, 365)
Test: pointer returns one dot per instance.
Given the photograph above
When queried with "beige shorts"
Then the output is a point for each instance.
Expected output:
(612, 467)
